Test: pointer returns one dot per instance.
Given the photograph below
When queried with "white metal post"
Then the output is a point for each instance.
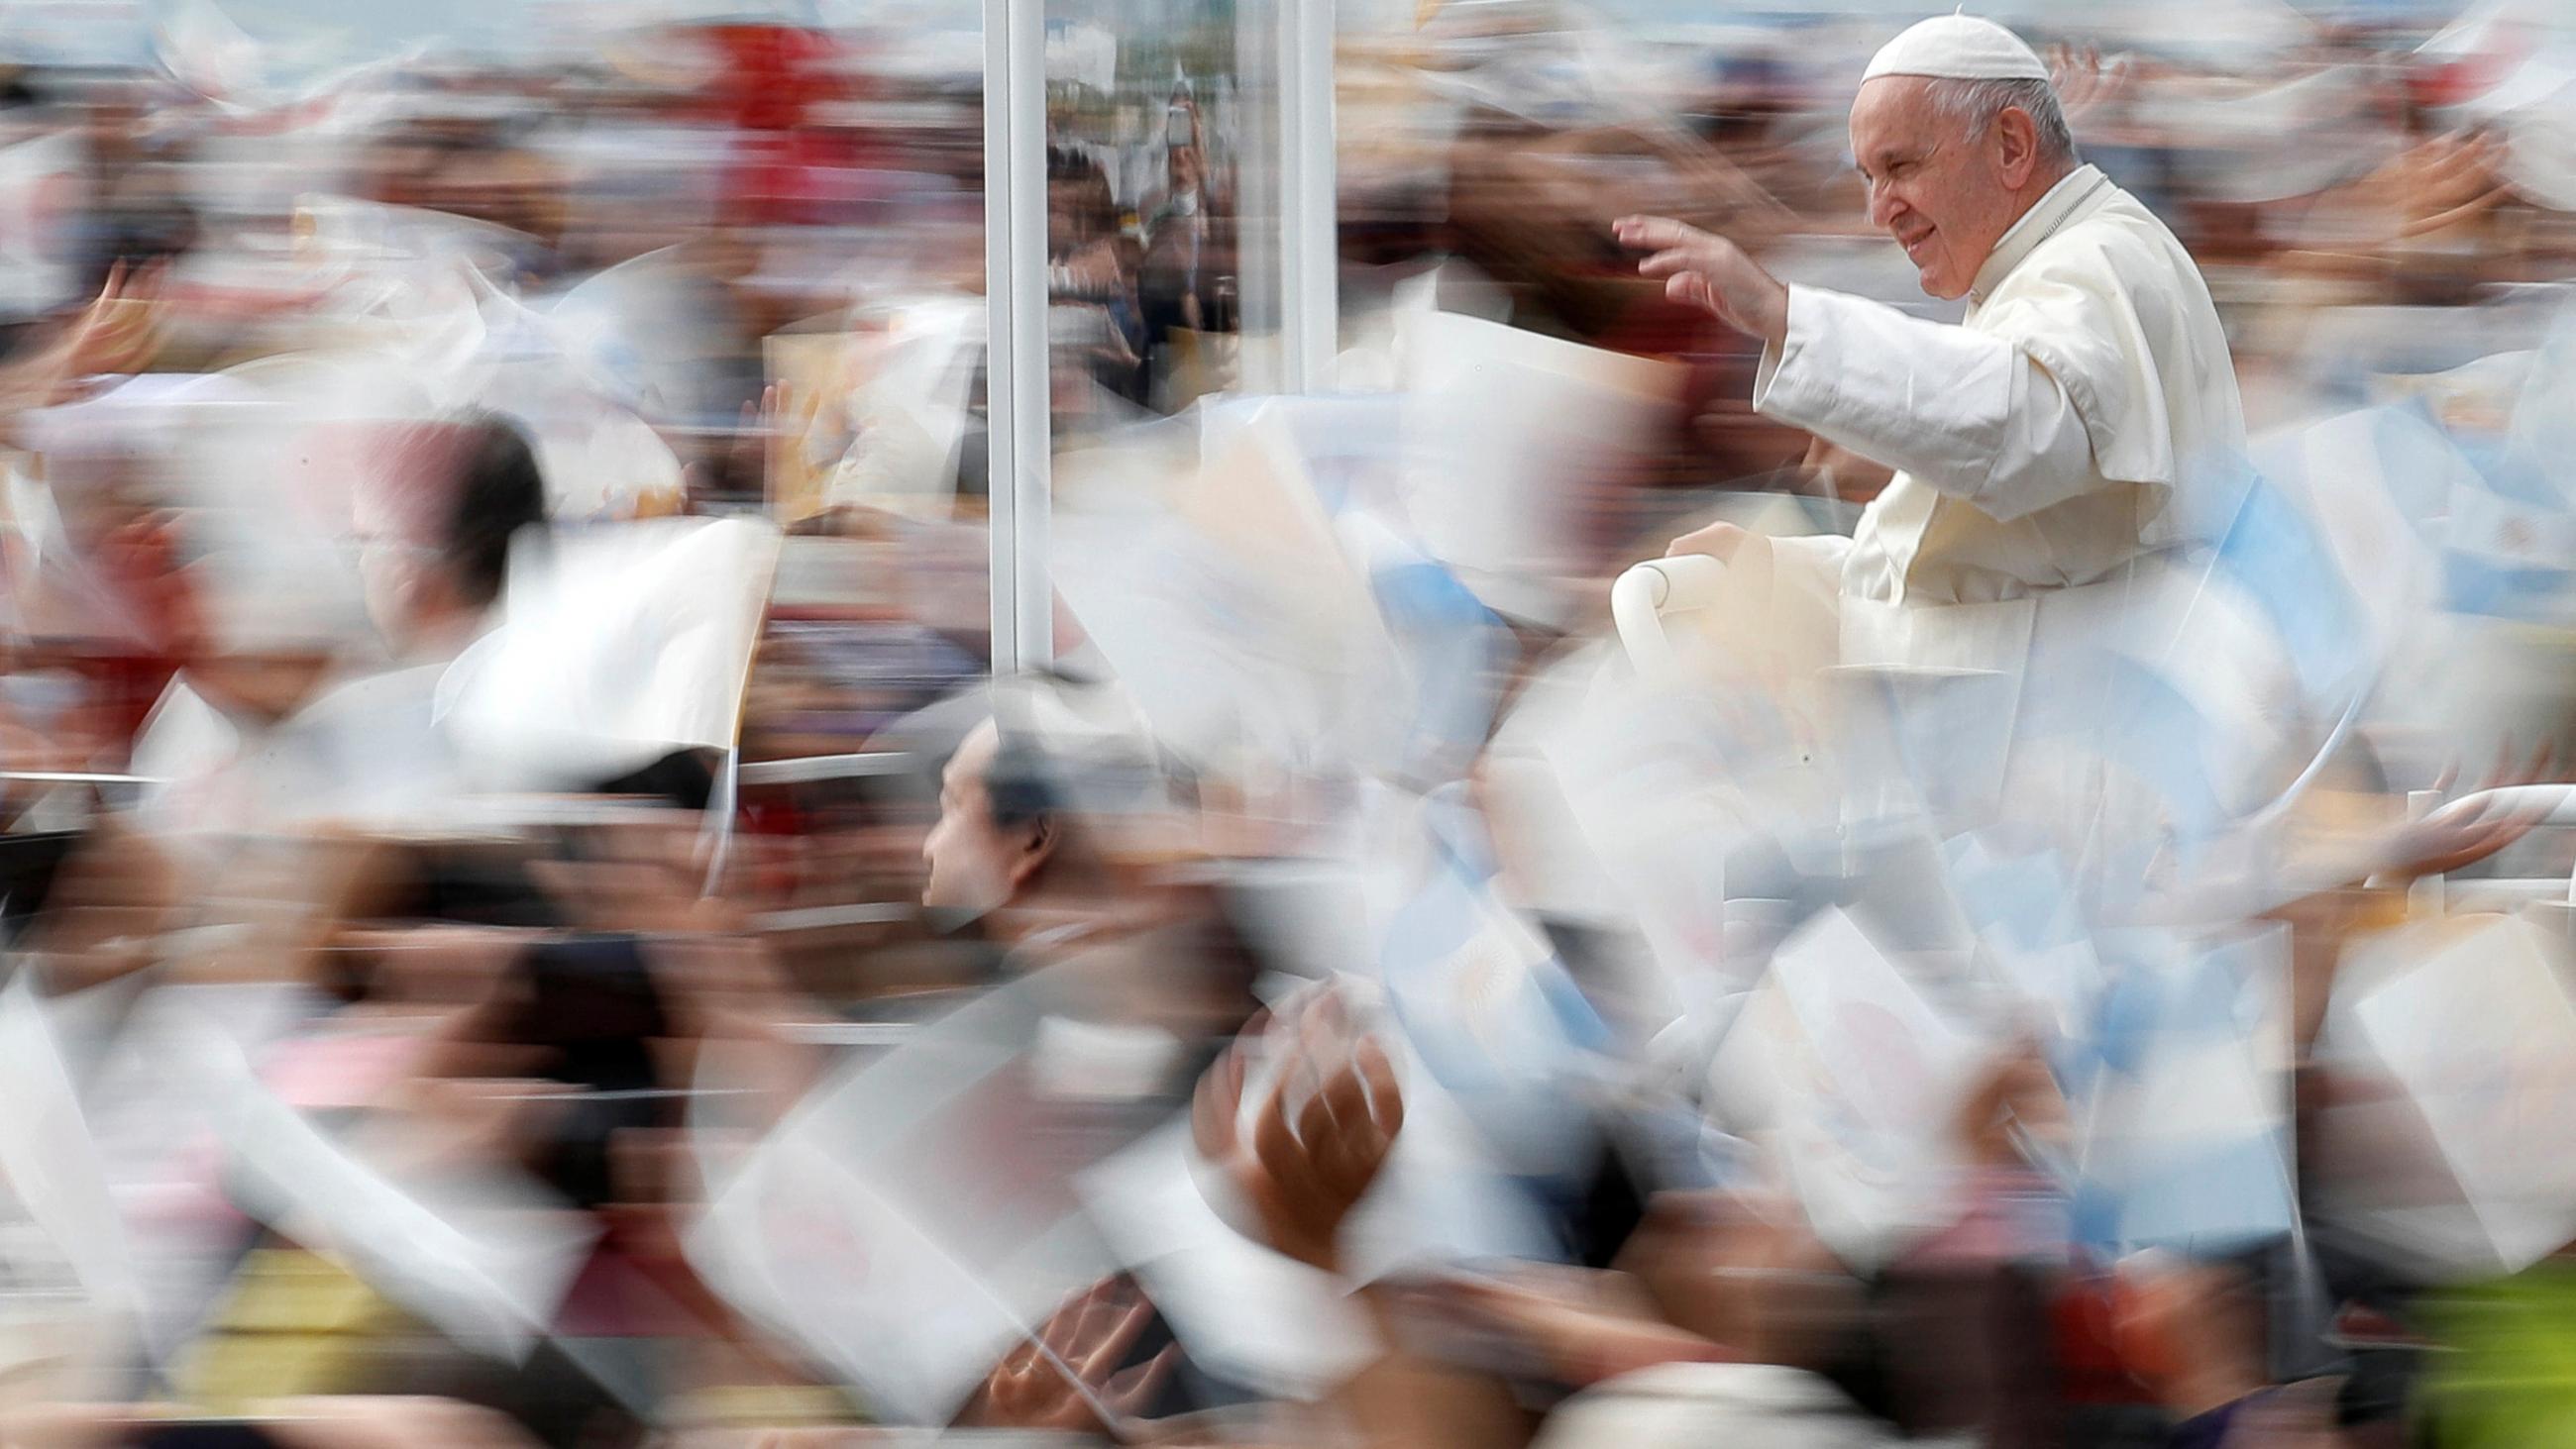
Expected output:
(1309, 245)
(1261, 199)
(1017, 394)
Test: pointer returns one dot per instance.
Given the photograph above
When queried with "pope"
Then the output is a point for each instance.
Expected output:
(2067, 434)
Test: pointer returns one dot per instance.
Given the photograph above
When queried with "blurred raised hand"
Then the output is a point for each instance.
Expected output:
(2436, 184)
(2087, 85)
(124, 328)
(2477, 825)
(1067, 1377)
(1321, 1134)
(120, 331)
(2016, 1100)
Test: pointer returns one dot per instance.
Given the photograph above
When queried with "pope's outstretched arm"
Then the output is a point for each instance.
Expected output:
(1972, 415)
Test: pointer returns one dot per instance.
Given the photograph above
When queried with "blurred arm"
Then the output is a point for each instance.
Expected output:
(1971, 415)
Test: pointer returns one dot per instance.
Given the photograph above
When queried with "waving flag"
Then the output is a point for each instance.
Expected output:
(1855, 1074)
(918, 1214)
(48, 1160)
(2471, 1017)
(1196, 557)
(2182, 1096)
(619, 644)
(1486, 1006)
(1502, 430)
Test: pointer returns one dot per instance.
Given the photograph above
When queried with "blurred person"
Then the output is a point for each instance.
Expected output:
(1966, 1311)
(433, 521)
(439, 523)
(1082, 227)
(1175, 285)
(435, 532)
(1095, 322)
(464, 1058)
(1056, 841)
(1121, 975)
(1723, 1314)
(2069, 431)
(549, 1051)
(1785, 1316)
(1047, 844)
(360, 745)
(984, 852)
(139, 213)
(2424, 222)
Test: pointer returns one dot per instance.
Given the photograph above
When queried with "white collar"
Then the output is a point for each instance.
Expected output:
(2036, 225)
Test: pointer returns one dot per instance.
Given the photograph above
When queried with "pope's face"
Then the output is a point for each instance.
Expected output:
(1937, 186)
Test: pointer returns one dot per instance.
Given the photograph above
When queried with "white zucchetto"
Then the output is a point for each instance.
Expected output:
(1957, 47)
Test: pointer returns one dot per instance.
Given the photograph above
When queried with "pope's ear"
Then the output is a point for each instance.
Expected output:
(2016, 146)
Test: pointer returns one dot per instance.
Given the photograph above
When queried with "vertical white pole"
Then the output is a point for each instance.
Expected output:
(1309, 247)
(1017, 394)
(1259, 147)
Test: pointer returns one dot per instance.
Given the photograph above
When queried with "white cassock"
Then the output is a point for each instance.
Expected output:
(2051, 442)
(2055, 454)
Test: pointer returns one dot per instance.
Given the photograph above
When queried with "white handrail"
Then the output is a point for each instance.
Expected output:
(1640, 598)
(806, 769)
(2554, 803)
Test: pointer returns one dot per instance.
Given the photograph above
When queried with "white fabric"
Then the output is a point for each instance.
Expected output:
(917, 1214)
(1742, 1405)
(1496, 420)
(2471, 1017)
(2071, 425)
(619, 644)
(485, 1254)
(1957, 47)
(1253, 1314)
(368, 750)
(49, 1162)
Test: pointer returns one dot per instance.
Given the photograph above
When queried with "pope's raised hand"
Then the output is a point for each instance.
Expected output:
(1704, 270)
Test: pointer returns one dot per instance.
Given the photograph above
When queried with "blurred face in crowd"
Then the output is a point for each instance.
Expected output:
(1946, 189)
(395, 517)
(976, 863)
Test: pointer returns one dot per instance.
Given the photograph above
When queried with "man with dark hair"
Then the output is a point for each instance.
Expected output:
(1009, 834)
(498, 492)
(436, 523)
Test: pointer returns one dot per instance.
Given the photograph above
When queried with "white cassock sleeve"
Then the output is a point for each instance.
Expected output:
(1969, 414)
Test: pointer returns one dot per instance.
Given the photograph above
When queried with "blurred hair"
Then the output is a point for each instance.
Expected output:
(1041, 769)
(1020, 784)
(1976, 103)
(1070, 756)
(1094, 208)
(498, 491)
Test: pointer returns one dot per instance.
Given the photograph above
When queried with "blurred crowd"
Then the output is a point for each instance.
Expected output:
(532, 917)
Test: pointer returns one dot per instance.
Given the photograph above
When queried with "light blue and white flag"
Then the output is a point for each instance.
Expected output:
(2181, 1096)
